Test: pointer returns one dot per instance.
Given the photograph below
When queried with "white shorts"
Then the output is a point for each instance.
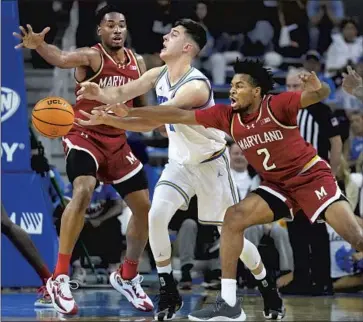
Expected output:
(212, 183)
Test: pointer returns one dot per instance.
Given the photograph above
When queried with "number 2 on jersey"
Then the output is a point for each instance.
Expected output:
(266, 159)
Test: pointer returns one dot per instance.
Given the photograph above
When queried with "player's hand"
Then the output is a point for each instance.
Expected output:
(351, 81)
(311, 81)
(29, 38)
(118, 109)
(96, 118)
(89, 91)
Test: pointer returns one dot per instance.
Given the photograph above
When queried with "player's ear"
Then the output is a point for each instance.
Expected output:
(98, 31)
(187, 47)
(258, 91)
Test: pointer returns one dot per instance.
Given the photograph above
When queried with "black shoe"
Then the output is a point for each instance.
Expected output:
(170, 300)
(273, 305)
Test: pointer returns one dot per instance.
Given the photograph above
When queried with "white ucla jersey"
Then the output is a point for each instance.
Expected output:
(189, 144)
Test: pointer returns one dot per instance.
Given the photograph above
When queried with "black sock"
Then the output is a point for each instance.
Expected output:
(167, 281)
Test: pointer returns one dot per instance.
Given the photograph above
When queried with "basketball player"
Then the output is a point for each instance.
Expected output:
(99, 152)
(197, 161)
(26, 247)
(294, 176)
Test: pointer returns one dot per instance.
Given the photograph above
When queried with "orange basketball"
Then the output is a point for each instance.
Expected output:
(53, 117)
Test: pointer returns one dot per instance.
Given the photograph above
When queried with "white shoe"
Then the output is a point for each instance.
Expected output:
(60, 293)
(133, 291)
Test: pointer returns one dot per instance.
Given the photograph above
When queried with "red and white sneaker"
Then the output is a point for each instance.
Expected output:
(44, 300)
(132, 290)
(60, 293)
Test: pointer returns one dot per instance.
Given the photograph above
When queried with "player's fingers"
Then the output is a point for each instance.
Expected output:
(350, 70)
(45, 31)
(82, 122)
(112, 107)
(19, 46)
(356, 75)
(100, 108)
(23, 30)
(344, 75)
(30, 29)
(85, 114)
(15, 34)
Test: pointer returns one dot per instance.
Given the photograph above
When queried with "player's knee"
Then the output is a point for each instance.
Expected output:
(82, 192)
(233, 220)
(189, 225)
(357, 240)
(160, 214)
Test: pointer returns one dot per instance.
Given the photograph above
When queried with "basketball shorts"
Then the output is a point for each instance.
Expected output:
(113, 159)
(211, 182)
(312, 192)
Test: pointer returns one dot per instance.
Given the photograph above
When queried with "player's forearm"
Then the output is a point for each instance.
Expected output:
(132, 124)
(335, 153)
(52, 54)
(323, 92)
(164, 114)
(112, 95)
(358, 93)
(313, 97)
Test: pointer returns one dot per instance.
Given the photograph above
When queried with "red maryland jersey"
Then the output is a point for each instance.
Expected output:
(270, 138)
(110, 74)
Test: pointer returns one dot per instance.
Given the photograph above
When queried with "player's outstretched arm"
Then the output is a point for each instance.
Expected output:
(53, 55)
(314, 90)
(134, 124)
(130, 90)
(192, 94)
(353, 83)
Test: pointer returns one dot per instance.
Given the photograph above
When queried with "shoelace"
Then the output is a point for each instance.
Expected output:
(42, 291)
(137, 285)
(64, 287)
(217, 305)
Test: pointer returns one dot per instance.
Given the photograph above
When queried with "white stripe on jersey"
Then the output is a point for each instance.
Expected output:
(189, 144)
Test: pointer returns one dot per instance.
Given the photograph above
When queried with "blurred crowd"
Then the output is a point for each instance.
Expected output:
(291, 36)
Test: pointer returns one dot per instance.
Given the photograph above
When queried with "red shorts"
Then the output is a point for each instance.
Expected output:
(113, 157)
(311, 191)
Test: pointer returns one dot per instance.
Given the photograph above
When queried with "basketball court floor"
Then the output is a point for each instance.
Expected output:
(107, 305)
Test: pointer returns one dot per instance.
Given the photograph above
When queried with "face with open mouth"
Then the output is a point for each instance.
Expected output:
(242, 93)
(174, 43)
(113, 30)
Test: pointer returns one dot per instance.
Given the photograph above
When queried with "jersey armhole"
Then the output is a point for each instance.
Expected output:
(134, 56)
(161, 74)
(192, 79)
(91, 77)
(269, 110)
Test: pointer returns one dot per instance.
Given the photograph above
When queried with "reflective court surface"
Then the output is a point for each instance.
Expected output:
(108, 305)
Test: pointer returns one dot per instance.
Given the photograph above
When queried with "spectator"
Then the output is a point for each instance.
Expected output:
(158, 17)
(211, 59)
(346, 48)
(312, 63)
(324, 16)
(353, 147)
(294, 34)
(239, 171)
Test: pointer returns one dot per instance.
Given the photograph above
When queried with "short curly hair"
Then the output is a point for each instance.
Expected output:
(260, 76)
(105, 10)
